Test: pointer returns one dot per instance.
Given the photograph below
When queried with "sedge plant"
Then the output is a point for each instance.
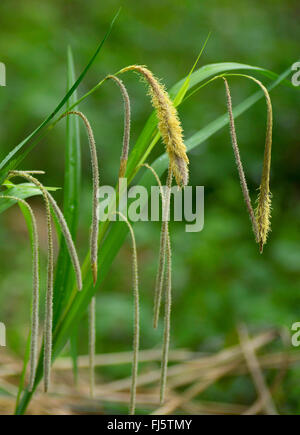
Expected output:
(164, 123)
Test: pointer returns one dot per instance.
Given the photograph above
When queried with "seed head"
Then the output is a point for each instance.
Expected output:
(168, 124)
(263, 210)
(165, 254)
(49, 294)
(68, 239)
(136, 329)
(261, 218)
(127, 121)
(95, 174)
(34, 328)
(238, 161)
(263, 215)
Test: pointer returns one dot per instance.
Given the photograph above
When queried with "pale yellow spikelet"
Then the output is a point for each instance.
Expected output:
(263, 215)
(263, 210)
(168, 124)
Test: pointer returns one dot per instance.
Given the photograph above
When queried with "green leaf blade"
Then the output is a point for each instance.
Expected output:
(64, 275)
(15, 157)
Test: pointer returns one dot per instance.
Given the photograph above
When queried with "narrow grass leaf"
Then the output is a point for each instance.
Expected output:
(14, 158)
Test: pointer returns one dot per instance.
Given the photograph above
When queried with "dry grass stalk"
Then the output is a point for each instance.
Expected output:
(116, 358)
(205, 370)
(255, 370)
(198, 365)
(194, 390)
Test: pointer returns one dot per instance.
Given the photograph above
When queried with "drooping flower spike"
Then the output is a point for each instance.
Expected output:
(49, 294)
(168, 291)
(238, 161)
(34, 327)
(68, 238)
(164, 235)
(168, 124)
(136, 329)
(95, 174)
(261, 218)
(127, 121)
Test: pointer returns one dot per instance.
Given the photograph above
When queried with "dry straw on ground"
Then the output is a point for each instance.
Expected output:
(190, 375)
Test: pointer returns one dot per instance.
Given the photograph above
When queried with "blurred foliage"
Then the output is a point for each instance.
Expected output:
(219, 276)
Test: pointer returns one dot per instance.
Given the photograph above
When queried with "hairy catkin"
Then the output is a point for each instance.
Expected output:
(161, 262)
(68, 239)
(239, 162)
(95, 174)
(93, 242)
(167, 322)
(49, 294)
(49, 200)
(263, 209)
(136, 329)
(168, 300)
(168, 124)
(164, 235)
(127, 122)
(34, 327)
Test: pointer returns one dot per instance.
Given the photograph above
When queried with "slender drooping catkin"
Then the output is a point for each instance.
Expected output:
(95, 172)
(162, 194)
(162, 251)
(168, 124)
(34, 327)
(263, 209)
(167, 321)
(92, 344)
(239, 162)
(164, 235)
(168, 300)
(161, 263)
(68, 240)
(136, 329)
(49, 293)
(127, 121)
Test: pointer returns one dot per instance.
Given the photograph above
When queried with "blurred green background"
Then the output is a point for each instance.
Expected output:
(219, 276)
